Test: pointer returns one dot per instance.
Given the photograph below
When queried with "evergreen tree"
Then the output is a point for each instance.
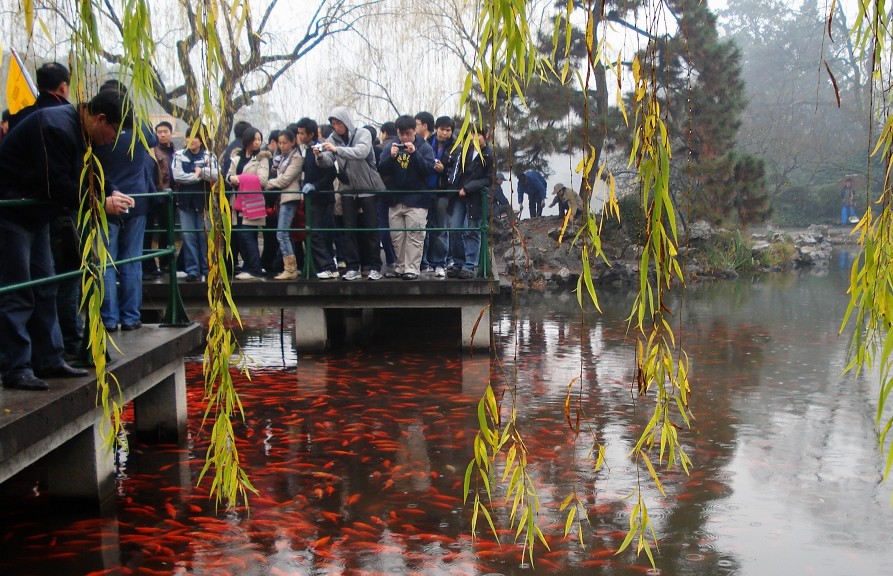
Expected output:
(696, 63)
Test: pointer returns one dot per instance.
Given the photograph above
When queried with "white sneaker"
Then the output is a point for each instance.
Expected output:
(374, 275)
(181, 274)
(245, 276)
(328, 275)
(427, 269)
(439, 272)
(352, 275)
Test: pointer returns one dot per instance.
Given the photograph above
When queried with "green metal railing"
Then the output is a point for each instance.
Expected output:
(175, 312)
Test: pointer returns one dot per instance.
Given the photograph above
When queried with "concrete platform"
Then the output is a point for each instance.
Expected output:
(310, 299)
(63, 423)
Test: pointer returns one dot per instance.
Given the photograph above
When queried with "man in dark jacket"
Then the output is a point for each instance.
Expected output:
(410, 163)
(52, 82)
(52, 85)
(319, 202)
(471, 177)
(156, 217)
(131, 170)
(42, 159)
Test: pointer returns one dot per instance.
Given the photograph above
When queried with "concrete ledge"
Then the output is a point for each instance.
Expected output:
(328, 293)
(32, 424)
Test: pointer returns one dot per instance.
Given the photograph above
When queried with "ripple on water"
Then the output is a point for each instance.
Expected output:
(695, 557)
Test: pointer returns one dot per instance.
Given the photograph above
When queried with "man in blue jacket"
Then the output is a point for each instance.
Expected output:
(410, 163)
(130, 173)
(42, 159)
(534, 185)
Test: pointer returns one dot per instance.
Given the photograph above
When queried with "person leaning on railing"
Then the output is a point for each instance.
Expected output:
(42, 159)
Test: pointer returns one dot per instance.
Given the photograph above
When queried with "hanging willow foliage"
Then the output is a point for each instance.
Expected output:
(870, 308)
(135, 66)
(506, 61)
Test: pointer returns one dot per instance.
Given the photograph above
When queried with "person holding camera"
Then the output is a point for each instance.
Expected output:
(410, 163)
(349, 150)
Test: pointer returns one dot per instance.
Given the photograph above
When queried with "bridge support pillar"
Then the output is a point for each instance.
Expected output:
(470, 316)
(311, 331)
(83, 468)
(160, 411)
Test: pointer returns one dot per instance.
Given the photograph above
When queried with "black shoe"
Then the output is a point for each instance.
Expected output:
(25, 382)
(131, 327)
(462, 275)
(111, 329)
(452, 272)
(410, 276)
(62, 371)
(192, 278)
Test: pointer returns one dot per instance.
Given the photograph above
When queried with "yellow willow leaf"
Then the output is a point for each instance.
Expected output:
(653, 473)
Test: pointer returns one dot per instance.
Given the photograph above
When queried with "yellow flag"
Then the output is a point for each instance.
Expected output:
(20, 92)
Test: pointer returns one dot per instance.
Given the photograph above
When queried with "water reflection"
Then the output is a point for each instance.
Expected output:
(359, 456)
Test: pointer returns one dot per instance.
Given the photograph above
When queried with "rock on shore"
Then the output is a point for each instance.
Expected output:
(529, 257)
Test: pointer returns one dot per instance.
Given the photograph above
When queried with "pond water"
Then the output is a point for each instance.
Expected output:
(358, 456)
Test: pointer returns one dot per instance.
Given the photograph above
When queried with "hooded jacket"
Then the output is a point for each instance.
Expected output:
(354, 157)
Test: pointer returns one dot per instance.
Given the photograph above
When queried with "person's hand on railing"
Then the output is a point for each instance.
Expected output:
(118, 203)
(462, 193)
(308, 188)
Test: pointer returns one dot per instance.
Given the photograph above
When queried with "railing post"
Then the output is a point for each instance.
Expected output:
(484, 256)
(175, 314)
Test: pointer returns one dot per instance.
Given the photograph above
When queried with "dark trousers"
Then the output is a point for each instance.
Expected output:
(361, 249)
(321, 242)
(385, 235)
(248, 247)
(156, 218)
(29, 327)
(536, 206)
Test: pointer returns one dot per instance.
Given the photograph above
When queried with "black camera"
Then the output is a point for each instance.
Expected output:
(401, 146)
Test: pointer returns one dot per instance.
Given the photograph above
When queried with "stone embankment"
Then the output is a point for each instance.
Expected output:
(530, 256)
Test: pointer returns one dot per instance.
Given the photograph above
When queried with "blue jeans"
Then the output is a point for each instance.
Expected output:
(29, 327)
(457, 243)
(283, 234)
(846, 213)
(122, 304)
(438, 242)
(195, 244)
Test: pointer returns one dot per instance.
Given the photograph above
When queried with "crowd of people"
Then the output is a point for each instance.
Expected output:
(404, 180)
(397, 202)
